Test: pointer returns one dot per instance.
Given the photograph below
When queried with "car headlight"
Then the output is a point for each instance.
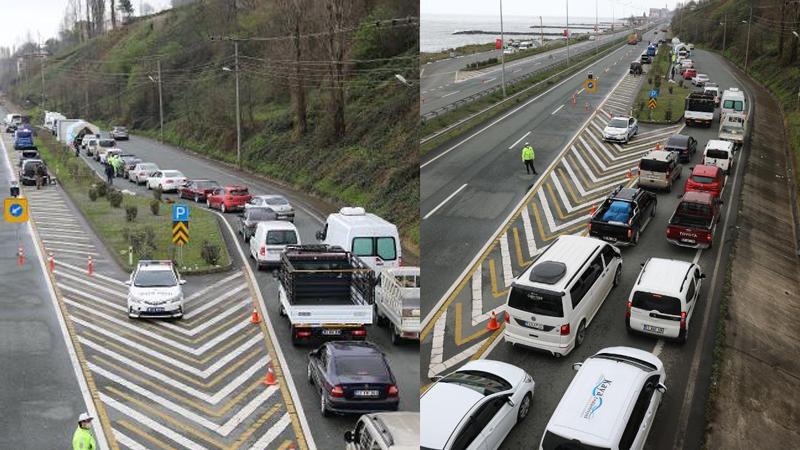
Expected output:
(132, 299)
(528, 378)
(176, 299)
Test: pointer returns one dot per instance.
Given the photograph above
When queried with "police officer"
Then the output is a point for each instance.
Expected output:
(527, 158)
(83, 439)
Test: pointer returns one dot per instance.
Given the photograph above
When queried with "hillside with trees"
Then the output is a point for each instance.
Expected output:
(329, 101)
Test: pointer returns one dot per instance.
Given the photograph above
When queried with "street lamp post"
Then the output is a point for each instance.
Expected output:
(160, 100)
(747, 46)
(567, 32)
(502, 51)
(238, 115)
(724, 32)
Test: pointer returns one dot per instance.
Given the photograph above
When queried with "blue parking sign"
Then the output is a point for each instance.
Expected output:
(653, 93)
(180, 212)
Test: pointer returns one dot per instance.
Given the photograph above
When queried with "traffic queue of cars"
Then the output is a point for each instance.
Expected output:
(613, 398)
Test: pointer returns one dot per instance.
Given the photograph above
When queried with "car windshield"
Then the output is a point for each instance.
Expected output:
(483, 383)
(701, 179)
(281, 237)
(359, 366)
(656, 302)
(155, 278)
(261, 214)
(536, 301)
(618, 123)
(120, 129)
(654, 165)
(106, 143)
(717, 154)
(171, 174)
(238, 192)
(148, 167)
(736, 105)
(275, 201)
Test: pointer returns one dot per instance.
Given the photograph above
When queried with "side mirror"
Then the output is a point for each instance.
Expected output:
(661, 388)
(509, 401)
(576, 366)
(348, 436)
(183, 282)
(127, 282)
(702, 276)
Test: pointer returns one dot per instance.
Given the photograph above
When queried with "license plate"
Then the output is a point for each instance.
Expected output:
(688, 241)
(653, 329)
(366, 393)
(534, 325)
(610, 239)
(332, 332)
(155, 309)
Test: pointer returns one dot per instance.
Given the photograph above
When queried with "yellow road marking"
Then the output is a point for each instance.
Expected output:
(487, 342)
(143, 434)
(458, 338)
(518, 247)
(285, 444)
(215, 412)
(567, 182)
(179, 425)
(246, 435)
(493, 277)
(204, 385)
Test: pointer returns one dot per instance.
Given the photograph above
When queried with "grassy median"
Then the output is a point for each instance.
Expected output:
(149, 234)
(671, 96)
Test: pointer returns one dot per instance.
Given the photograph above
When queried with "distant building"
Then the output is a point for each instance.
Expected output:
(658, 13)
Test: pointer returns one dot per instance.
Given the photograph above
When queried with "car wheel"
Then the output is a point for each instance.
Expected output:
(196, 198)
(653, 211)
(223, 208)
(308, 374)
(149, 188)
(617, 276)
(636, 237)
(208, 203)
(581, 334)
(669, 187)
(683, 337)
(396, 339)
(524, 407)
(323, 404)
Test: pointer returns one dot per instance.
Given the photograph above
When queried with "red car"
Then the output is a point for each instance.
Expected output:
(228, 198)
(688, 74)
(198, 190)
(709, 179)
(692, 224)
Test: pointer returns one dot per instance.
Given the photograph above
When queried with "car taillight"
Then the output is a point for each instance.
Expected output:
(708, 237)
(507, 317)
(564, 330)
(683, 320)
(262, 251)
(393, 391)
(337, 391)
(359, 332)
(169, 181)
(628, 310)
(630, 233)
(400, 262)
(302, 334)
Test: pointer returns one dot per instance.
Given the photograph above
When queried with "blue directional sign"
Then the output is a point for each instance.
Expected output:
(180, 212)
(653, 93)
(15, 210)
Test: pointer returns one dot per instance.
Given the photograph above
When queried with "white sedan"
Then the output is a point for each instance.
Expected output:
(141, 172)
(621, 129)
(167, 180)
(277, 203)
(700, 79)
(475, 407)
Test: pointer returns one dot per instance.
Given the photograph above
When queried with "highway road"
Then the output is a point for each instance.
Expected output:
(503, 208)
(42, 395)
(403, 359)
(444, 82)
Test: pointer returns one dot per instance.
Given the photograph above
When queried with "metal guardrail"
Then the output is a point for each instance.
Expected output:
(458, 103)
(610, 47)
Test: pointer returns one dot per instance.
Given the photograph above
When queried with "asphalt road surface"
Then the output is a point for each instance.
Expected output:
(41, 397)
(475, 215)
(444, 82)
(403, 359)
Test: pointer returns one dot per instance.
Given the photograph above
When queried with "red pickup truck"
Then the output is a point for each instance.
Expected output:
(692, 224)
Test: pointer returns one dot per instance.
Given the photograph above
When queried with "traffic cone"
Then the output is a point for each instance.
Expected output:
(270, 380)
(629, 175)
(592, 210)
(658, 146)
(90, 266)
(51, 262)
(492, 325)
(20, 257)
(254, 318)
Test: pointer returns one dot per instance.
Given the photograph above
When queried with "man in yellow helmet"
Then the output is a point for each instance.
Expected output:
(83, 439)
(527, 158)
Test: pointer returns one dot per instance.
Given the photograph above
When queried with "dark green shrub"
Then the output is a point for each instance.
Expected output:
(670, 89)
(93, 193)
(155, 205)
(157, 193)
(131, 211)
(210, 253)
(115, 198)
(102, 189)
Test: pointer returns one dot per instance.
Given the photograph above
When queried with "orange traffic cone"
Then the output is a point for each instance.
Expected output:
(90, 266)
(492, 325)
(270, 380)
(593, 209)
(51, 262)
(629, 175)
(254, 318)
(20, 257)
(658, 146)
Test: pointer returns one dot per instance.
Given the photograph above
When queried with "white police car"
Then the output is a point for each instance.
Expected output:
(155, 291)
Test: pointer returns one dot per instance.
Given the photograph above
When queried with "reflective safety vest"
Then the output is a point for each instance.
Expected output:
(83, 440)
(527, 153)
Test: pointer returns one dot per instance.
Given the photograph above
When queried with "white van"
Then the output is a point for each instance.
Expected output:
(270, 240)
(733, 101)
(550, 305)
(719, 153)
(373, 239)
(663, 299)
(610, 404)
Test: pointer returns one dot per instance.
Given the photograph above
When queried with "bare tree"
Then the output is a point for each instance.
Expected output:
(113, 14)
(293, 20)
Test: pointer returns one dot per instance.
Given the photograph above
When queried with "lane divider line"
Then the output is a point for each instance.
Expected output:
(445, 201)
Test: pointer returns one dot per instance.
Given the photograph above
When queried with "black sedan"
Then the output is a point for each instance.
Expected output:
(352, 377)
(683, 146)
(249, 219)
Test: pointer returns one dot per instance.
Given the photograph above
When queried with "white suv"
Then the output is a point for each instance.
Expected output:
(664, 297)
(155, 290)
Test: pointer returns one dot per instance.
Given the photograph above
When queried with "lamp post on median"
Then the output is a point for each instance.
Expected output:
(567, 32)
(502, 51)
(238, 115)
(747, 46)
(160, 100)
(724, 24)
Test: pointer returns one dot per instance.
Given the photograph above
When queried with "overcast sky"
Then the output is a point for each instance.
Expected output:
(17, 17)
(557, 8)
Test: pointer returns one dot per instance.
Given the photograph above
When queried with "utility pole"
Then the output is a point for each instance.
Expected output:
(747, 47)
(596, 30)
(42, 70)
(541, 31)
(238, 114)
(567, 32)
(724, 32)
(502, 51)
(160, 101)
